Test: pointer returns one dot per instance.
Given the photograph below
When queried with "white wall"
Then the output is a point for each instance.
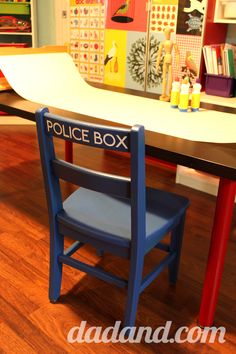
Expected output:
(52, 27)
(46, 22)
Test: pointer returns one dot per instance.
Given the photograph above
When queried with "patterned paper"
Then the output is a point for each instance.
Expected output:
(87, 32)
(136, 60)
(190, 55)
(154, 74)
(163, 14)
(136, 11)
(165, 2)
(93, 31)
(115, 57)
(191, 17)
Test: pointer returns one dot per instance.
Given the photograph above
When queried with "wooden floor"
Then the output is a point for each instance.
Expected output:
(30, 324)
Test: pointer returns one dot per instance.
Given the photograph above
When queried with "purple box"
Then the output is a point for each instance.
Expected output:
(219, 85)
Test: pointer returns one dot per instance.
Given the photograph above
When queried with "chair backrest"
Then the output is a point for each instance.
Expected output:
(50, 126)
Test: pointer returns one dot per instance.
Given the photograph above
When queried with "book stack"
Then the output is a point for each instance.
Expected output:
(220, 59)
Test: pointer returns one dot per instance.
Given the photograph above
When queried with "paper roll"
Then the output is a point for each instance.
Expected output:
(52, 79)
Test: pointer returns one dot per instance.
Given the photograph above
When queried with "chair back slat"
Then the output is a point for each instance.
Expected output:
(88, 134)
(90, 179)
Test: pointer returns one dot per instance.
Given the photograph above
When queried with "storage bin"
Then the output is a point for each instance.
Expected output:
(14, 9)
(220, 85)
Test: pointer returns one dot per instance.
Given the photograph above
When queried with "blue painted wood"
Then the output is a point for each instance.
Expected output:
(54, 201)
(73, 248)
(98, 181)
(119, 250)
(100, 253)
(176, 246)
(138, 222)
(87, 134)
(95, 271)
(163, 247)
(128, 224)
(157, 270)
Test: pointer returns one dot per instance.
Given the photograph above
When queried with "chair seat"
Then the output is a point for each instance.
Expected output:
(108, 218)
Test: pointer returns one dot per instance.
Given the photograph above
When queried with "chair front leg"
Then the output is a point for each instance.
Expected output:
(55, 276)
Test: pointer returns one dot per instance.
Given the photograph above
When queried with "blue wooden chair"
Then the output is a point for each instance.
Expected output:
(114, 214)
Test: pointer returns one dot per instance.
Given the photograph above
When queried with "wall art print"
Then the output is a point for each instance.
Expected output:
(190, 56)
(115, 58)
(191, 16)
(129, 15)
(163, 14)
(140, 73)
(155, 75)
(108, 40)
(135, 61)
(87, 32)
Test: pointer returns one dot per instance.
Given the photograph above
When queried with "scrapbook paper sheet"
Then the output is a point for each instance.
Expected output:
(163, 14)
(87, 33)
(115, 52)
(127, 15)
(191, 17)
(53, 79)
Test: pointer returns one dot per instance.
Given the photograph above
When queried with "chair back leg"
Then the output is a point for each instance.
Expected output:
(175, 246)
(100, 253)
(134, 286)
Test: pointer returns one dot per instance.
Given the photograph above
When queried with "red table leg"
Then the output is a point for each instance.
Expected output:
(219, 239)
(68, 151)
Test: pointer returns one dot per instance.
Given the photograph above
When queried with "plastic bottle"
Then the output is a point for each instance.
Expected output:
(184, 96)
(195, 101)
(174, 96)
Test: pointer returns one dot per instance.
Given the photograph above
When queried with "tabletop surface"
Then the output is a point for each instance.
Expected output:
(214, 158)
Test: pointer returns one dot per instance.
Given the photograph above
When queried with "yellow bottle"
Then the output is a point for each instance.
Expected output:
(174, 96)
(195, 101)
(184, 96)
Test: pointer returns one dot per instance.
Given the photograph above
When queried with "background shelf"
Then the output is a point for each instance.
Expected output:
(10, 13)
(221, 12)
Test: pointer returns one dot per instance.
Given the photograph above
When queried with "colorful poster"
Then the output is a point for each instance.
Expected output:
(87, 30)
(165, 2)
(163, 14)
(136, 60)
(108, 40)
(115, 57)
(129, 15)
(154, 74)
(190, 48)
(190, 17)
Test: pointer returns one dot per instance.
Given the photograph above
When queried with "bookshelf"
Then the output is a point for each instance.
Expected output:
(225, 11)
(18, 23)
(214, 33)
